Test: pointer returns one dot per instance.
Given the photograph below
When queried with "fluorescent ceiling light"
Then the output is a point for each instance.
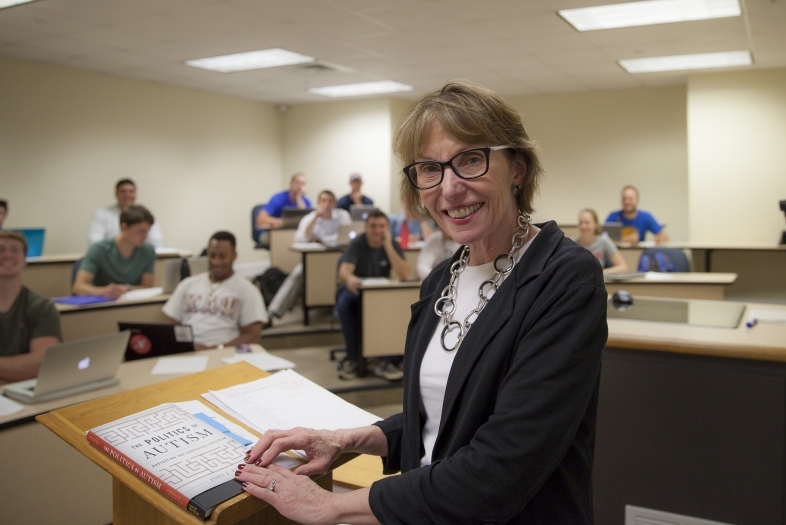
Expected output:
(681, 62)
(648, 13)
(9, 3)
(250, 60)
(364, 88)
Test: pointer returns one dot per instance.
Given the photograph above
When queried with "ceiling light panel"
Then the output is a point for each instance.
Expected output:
(363, 88)
(9, 3)
(649, 12)
(261, 59)
(683, 62)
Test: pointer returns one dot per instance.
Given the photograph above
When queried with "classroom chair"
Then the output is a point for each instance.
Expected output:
(661, 259)
(259, 235)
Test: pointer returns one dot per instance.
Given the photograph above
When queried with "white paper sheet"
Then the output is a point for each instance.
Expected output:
(180, 365)
(262, 360)
(767, 316)
(141, 293)
(8, 407)
(287, 399)
(371, 281)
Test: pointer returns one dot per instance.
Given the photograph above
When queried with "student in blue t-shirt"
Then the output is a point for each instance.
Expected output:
(294, 197)
(635, 222)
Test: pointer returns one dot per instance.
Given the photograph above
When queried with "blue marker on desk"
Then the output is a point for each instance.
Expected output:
(752, 323)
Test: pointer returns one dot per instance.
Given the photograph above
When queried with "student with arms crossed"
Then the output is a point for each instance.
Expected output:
(223, 308)
(29, 323)
(114, 266)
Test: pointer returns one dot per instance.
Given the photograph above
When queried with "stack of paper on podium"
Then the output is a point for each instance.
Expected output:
(286, 400)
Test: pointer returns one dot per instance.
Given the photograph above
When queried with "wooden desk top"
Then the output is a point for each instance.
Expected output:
(308, 247)
(765, 341)
(119, 303)
(389, 284)
(703, 246)
(162, 253)
(676, 278)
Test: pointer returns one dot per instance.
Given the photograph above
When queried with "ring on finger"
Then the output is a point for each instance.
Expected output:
(272, 486)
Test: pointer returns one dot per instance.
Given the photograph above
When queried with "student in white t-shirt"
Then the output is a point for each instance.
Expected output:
(223, 308)
(322, 224)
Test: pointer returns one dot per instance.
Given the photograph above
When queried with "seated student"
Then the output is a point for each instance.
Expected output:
(294, 197)
(416, 230)
(436, 249)
(370, 254)
(636, 223)
(105, 223)
(223, 308)
(322, 224)
(355, 196)
(114, 266)
(3, 211)
(598, 243)
(29, 323)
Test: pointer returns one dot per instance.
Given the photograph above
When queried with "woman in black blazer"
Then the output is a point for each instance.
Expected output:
(503, 351)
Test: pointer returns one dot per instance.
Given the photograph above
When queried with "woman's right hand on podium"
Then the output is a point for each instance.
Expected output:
(321, 446)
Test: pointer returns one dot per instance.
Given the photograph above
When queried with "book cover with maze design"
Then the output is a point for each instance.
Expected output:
(177, 453)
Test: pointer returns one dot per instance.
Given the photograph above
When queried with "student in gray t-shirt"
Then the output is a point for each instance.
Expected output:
(599, 244)
(114, 266)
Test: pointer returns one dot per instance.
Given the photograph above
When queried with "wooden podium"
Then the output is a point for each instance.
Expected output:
(133, 500)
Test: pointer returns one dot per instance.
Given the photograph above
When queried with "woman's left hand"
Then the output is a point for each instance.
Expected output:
(294, 497)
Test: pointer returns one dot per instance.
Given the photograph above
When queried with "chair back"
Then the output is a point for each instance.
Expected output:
(661, 259)
(75, 269)
(257, 232)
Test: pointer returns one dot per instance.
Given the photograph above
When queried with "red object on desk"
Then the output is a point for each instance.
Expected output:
(404, 235)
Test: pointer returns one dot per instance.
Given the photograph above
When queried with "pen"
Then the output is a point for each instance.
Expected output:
(752, 323)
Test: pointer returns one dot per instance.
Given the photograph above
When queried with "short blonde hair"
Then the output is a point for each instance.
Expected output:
(472, 114)
(6, 234)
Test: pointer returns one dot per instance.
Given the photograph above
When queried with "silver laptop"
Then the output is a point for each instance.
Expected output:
(74, 367)
(613, 230)
(347, 232)
(290, 217)
(359, 212)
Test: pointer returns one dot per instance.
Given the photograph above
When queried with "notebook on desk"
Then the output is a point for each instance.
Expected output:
(34, 238)
(290, 217)
(156, 339)
(72, 368)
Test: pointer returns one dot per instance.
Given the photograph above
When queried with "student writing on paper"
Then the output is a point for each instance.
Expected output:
(29, 323)
(592, 238)
(222, 307)
(114, 266)
(499, 407)
(105, 223)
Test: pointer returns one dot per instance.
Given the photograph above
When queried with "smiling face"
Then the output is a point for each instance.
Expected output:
(126, 196)
(587, 224)
(629, 201)
(12, 257)
(220, 256)
(376, 228)
(479, 212)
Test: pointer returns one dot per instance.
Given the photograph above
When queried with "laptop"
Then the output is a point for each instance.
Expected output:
(156, 339)
(613, 230)
(72, 368)
(34, 238)
(290, 217)
(359, 212)
(347, 232)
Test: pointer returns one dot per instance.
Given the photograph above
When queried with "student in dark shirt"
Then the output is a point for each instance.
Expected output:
(29, 323)
(355, 196)
(373, 253)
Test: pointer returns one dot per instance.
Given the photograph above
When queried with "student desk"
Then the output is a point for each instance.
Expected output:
(687, 285)
(692, 420)
(79, 322)
(50, 275)
(280, 255)
(320, 265)
(385, 313)
(759, 268)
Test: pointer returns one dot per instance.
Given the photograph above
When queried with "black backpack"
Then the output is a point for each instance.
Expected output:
(269, 282)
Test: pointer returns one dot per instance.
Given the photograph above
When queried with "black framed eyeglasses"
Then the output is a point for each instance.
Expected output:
(469, 164)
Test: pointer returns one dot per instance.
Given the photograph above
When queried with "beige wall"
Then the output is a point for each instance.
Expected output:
(200, 160)
(329, 141)
(737, 144)
(594, 143)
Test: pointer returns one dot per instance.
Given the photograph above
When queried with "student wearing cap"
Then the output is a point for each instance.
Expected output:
(355, 196)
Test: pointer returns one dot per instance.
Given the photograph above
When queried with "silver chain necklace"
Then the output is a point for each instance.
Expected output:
(446, 304)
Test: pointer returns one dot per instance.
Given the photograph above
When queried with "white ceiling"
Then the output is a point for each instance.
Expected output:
(515, 47)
